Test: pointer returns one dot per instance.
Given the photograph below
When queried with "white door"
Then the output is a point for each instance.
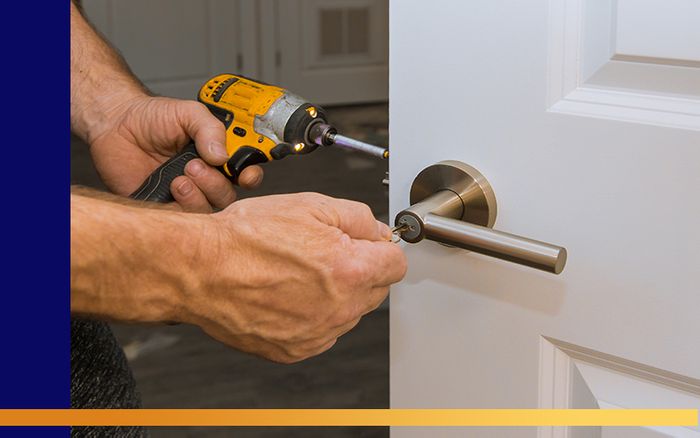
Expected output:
(174, 46)
(332, 51)
(584, 115)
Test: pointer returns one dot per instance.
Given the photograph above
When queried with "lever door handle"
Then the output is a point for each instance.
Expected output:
(452, 203)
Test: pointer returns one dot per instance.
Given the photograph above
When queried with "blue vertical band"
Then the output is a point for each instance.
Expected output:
(35, 200)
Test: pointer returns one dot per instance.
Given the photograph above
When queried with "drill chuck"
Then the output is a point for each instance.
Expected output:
(322, 134)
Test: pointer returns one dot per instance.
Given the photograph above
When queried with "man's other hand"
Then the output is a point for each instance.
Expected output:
(284, 276)
(142, 132)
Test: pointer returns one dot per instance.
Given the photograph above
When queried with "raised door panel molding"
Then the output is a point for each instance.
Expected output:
(602, 65)
(575, 377)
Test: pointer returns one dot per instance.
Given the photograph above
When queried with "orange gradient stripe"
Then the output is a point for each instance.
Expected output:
(348, 417)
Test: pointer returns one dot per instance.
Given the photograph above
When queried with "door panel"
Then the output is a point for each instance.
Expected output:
(573, 377)
(639, 24)
(584, 146)
(602, 61)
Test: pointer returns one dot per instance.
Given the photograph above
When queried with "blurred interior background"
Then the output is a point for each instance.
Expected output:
(333, 53)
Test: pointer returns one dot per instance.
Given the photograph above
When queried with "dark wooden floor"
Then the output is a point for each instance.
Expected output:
(180, 367)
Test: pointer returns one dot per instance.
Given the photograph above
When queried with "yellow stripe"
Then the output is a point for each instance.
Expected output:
(349, 417)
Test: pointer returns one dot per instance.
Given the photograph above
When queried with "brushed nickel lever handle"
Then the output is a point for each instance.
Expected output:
(505, 246)
(452, 203)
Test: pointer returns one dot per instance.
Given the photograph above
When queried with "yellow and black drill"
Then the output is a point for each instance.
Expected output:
(263, 123)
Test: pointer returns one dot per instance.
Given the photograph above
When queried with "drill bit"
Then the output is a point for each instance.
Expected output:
(324, 134)
(358, 145)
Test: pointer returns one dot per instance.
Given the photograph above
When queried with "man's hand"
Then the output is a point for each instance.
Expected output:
(292, 273)
(143, 132)
(132, 133)
(280, 276)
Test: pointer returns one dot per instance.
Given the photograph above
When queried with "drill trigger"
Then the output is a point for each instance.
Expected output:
(245, 156)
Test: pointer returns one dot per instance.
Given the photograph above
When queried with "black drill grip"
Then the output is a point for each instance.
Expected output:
(156, 188)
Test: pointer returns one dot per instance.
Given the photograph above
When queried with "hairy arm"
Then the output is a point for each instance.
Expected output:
(100, 79)
(130, 263)
(281, 276)
(105, 196)
(278, 276)
(131, 132)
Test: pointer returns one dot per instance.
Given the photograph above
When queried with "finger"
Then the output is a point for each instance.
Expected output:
(207, 131)
(373, 299)
(356, 220)
(323, 348)
(251, 177)
(383, 263)
(376, 298)
(217, 189)
(320, 345)
(343, 329)
(189, 196)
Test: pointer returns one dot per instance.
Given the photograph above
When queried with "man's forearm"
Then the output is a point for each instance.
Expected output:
(130, 263)
(100, 79)
(110, 197)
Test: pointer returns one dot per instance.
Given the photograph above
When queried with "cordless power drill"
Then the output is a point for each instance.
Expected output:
(262, 122)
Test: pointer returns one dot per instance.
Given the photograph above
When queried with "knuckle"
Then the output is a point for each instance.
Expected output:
(350, 326)
(314, 198)
(294, 355)
(365, 211)
(316, 348)
(193, 106)
(362, 210)
(198, 115)
(355, 273)
(286, 359)
(381, 295)
(339, 317)
(344, 315)
(327, 346)
(351, 274)
(280, 357)
(186, 108)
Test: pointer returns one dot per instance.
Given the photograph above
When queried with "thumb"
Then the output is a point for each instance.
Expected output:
(207, 131)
